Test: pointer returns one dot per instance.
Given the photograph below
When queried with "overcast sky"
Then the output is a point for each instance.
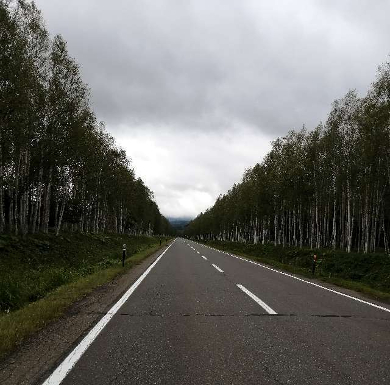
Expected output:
(194, 91)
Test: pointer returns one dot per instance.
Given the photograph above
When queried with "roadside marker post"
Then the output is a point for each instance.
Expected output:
(123, 255)
(313, 270)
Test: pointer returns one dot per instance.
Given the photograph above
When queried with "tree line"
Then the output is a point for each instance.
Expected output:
(59, 168)
(324, 188)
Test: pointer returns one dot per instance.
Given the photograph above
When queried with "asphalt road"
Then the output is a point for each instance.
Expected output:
(202, 316)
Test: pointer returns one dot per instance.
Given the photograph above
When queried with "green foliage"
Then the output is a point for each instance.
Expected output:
(59, 168)
(325, 188)
(33, 266)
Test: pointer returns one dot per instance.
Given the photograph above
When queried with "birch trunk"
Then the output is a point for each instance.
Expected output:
(37, 205)
(46, 205)
(59, 222)
(349, 219)
(2, 214)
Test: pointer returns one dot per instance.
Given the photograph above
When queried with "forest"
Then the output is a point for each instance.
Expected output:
(59, 167)
(322, 188)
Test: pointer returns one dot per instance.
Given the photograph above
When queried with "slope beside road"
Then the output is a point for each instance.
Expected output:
(201, 316)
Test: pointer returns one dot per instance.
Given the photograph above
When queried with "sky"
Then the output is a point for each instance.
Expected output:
(196, 90)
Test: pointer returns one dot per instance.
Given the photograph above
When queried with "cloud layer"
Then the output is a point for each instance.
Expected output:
(188, 170)
(216, 69)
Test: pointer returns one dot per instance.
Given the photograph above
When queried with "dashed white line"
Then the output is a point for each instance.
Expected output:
(218, 268)
(66, 366)
(257, 300)
(204, 257)
(316, 285)
(313, 284)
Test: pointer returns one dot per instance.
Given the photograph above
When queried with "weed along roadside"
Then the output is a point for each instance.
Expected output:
(42, 276)
(365, 273)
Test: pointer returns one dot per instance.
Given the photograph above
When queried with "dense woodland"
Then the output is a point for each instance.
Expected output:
(325, 188)
(59, 168)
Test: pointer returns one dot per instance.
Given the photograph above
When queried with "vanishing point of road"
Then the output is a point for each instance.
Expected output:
(203, 316)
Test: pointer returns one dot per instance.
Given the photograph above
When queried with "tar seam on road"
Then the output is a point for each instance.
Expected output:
(310, 283)
(66, 366)
(218, 268)
(257, 300)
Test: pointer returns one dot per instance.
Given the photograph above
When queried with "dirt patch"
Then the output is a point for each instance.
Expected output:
(37, 357)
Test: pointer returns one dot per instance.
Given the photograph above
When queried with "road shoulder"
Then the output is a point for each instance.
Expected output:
(39, 354)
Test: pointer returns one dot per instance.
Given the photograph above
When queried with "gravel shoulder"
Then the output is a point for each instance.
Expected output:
(33, 361)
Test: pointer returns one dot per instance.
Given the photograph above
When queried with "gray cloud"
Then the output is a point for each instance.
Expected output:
(218, 68)
(203, 64)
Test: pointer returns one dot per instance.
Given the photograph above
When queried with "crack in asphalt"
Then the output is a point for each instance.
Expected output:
(279, 315)
(266, 315)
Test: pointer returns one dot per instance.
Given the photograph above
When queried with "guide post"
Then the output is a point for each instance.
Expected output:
(123, 255)
(314, 264)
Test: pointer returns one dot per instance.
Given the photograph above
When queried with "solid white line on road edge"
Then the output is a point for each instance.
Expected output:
(66, 366)
(204, 257)
(315, 284)
(257, 299)
(219, 269)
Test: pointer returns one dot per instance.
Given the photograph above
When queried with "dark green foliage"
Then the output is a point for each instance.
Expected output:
(32, 266)
(325, 188)
(59, 168)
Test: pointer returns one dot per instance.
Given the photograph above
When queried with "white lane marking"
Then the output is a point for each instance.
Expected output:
(204, 257)
(315, 284)
(66, 366)
(218, 268)
(198, 252)
(257, 299)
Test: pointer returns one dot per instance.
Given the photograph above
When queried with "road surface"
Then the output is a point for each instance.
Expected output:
(201, 316)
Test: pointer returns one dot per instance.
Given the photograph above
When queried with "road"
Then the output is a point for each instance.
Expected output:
(201, 316)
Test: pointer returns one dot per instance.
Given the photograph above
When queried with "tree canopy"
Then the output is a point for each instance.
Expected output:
(329, 187)
(59, 167)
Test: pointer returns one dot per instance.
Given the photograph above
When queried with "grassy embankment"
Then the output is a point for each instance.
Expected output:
(366, 273)
(41, 275)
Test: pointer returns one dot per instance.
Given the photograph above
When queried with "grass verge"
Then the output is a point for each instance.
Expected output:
(35, 265)
(295, 267)
(22, 323)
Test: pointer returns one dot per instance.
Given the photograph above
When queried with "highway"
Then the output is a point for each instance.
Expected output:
(202, 316)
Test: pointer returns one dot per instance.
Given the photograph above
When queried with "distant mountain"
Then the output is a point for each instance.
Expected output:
(179, 223)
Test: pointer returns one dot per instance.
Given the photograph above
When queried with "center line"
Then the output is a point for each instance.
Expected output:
(204, 257)
(219, 269)
(257, 299)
